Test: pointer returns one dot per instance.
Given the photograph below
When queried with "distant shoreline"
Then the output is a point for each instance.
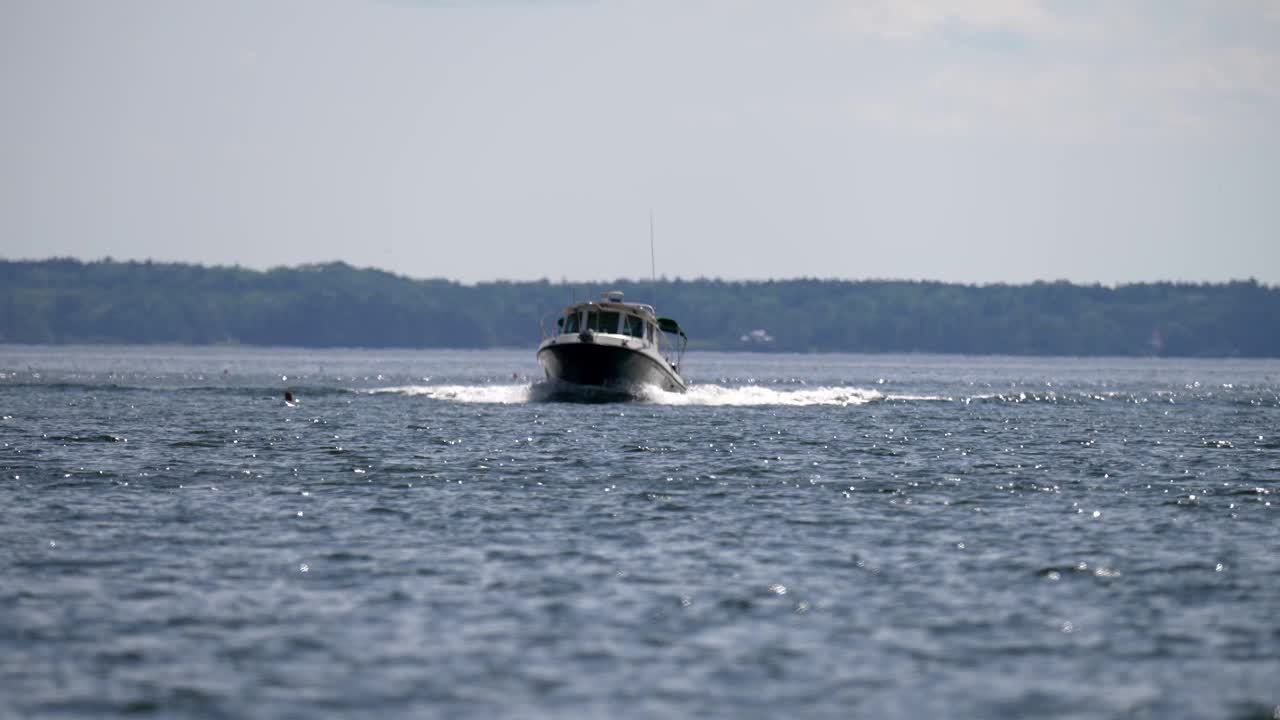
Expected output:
(65, 302)
(529, 350)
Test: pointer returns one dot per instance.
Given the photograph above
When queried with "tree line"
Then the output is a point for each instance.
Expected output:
(336, 305)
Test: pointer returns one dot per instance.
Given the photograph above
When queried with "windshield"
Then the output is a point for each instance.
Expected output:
(603, 322)
(633, 326)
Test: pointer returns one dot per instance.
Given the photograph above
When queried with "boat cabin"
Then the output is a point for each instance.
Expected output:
(608, 330)
(612, 318)
(600, 319)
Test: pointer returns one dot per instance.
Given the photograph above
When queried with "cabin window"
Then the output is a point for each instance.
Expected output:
(570, 323)
(604, 322)
(633, 326)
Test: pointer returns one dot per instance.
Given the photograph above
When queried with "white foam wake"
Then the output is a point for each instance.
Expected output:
(490, 394)
(755, 395)
(711, 395)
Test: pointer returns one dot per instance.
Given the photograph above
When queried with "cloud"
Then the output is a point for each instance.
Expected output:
(1239, 72)
(1269, 10)
(1104, 70)
(484, 4)
(914, 20)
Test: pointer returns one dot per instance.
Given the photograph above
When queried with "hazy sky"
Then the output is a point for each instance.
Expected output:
(961, 140)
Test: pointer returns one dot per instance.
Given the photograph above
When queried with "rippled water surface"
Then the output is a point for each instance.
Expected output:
(800, 535)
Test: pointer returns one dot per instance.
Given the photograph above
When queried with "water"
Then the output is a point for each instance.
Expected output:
(811, 536)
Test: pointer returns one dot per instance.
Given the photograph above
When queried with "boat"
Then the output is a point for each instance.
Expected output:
(614, 346)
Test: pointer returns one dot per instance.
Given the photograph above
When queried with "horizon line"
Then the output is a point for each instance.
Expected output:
(108, 259)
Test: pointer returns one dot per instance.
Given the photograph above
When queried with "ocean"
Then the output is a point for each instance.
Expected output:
(421, 534)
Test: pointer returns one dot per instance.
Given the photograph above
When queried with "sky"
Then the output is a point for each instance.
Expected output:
(973, 141)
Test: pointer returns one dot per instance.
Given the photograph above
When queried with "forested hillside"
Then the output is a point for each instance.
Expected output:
(68, 301)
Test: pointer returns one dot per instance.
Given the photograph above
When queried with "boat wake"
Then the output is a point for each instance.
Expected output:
(708, 395)
(754, 395)
(487, 394)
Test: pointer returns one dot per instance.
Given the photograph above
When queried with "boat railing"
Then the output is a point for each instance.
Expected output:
(684, 342)
(542, 323)
(667, 326)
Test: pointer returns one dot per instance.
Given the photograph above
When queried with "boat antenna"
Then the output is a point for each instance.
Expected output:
(653, 264)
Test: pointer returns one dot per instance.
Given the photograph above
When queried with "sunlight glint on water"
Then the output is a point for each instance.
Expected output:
(420, 534)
